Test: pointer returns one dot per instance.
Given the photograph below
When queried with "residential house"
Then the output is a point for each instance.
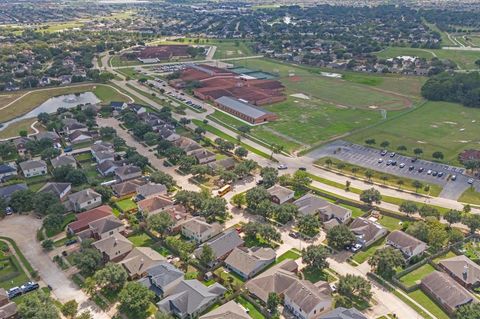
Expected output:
(128, 172)
(179, 215)
(187, 145)
(7, 191)
(150, 190)
(199, 230)
(6, 171)
(64, 160)
(113, 248)
(137, 108)
(221, 245)
(108, 167)
(190, 298)
(72, 125)
(226, 163)
(407, 244)
(77, 137)
(21, 145)
(162, 278)
(154, 205)
(204, 156)
(102, 152)
(276, 279)
(84, 219)
(106, 227)
(310, 204)
(280, 195)
(8, 309)
(306, 300)
(48, 135)
(445, 291)
(367, 231)
(33, 168)
(60, 190)
(127, 188)
(168, 134)
(84, 200)
(461, 268)
(139, 260)
(248, 262)
(118, 105)
(343, 313)
(229, 310)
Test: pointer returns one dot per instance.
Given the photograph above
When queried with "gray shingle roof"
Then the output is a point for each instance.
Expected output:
(222, 244)
(463, 268)
(446, 289)
(63, 161)
(161, 275)
(343, 313)
(230, 310)
(83, 196)
(55, 188)
(242, 107)
(27, 165)
(7, 191)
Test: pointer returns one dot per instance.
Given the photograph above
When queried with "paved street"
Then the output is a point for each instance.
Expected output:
(23, 229)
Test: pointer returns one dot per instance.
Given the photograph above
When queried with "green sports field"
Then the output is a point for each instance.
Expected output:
(436, 126)
(464, 59)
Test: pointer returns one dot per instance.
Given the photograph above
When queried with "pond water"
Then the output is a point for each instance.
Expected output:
(51, 105)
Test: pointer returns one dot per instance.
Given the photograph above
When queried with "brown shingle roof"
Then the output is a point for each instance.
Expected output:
(463, 268)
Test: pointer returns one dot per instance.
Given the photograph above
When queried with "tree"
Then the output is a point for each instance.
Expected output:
(37, 305)
(370, 141)
(352, 286)
(241, 152)
(135, 300)
(438, 155)
(244, 129)
(112, 277)
(468, 311)
(150, 138)
(417, 185)
(200, 130)
(69, 309)
(309, 225)
(453, 216)
(269, 176)
(160, 177)
(370, 196)
(107, 132)
(23, 133)
(43, 118)
(300, 180)
(385, 144)
(408, 207)
(22, 201)
(47, 244)
(286, 213)
(272, 302)
(402, 148)
(315, 257)
(160, 223)
(418, 151)
(163, 315)
(85, 315)
(255, 196)
(276, 149)
(429, 211)
(369, 174)
(105, 191)
(238, 200)
(340, 236)
(385, 260)
(43, 200)
(88, 260)
(472, 222)
(207, 256)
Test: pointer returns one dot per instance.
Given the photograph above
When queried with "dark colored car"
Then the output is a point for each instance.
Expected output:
(293, 235)
(14, 292)
(411, 168)
(413, 160)
(421, 169)
(302, 168)
(70, 242)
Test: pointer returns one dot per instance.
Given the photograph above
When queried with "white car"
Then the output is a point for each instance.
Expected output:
(429, 172)
(402, 165)
(380, 160)
(356, 247)
(333, 287)
(282, 166)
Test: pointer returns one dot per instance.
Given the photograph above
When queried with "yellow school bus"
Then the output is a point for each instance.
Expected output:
(225, 189)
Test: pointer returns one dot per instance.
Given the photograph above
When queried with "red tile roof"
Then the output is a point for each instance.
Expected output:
(83, 219)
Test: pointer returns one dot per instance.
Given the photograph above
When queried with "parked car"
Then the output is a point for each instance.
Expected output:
(282, 166)
(356, 247)
(453, 178)
(293, 235)
(470, 181)
(402, 165)
(413, 160)
(333, 287)
(392, 154)
(260, 182)
(411, 168)
(384, 152)
(68, 149)
(302, 168)
(421, 169)
(29, 286)
(380, 160)
(429, 172)
(440, 174)
(434, 173)
(14, 292)
(70, 242)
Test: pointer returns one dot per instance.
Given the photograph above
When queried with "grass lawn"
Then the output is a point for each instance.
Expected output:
(225, 275)
(227, 137)
(84, 157)
(449, 254)
(14, 129)
(392, 180)
(141, 240)
(10, 268)
(464, 59)
(116, 60)
(363, 255)
(435, 126)
(411, 278)
(290, 254)
(36, 97)
(424, 300)
(390, 223)
(126, 205)
(315, 276)
(470, 196)
(252, 310)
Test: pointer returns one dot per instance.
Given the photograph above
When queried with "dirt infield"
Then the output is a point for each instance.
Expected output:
(294, 78)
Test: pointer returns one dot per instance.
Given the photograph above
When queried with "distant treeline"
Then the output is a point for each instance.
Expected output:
(457, 87)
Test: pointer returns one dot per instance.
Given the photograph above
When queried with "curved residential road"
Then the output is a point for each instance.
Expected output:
(23, 229)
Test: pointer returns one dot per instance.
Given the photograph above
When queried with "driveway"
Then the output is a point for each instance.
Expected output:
(23, 229)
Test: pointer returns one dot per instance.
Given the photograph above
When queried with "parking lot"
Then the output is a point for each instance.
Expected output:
(421, 170)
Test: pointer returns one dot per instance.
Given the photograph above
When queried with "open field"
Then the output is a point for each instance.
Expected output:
(464, 59)
(424, 300)
(14, 129)
(411, 278)
(33, 99)
(470, 196)
(7, 97)
(445, 40)
(435, 126)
